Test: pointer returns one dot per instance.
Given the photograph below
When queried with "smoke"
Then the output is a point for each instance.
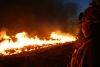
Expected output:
(38, 16)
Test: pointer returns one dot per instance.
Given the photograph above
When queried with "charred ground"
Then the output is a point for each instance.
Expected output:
(55, 56)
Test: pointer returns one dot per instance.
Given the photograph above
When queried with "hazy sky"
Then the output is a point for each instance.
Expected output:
(40, 15)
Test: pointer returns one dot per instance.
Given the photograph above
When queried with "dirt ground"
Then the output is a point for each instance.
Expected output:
(57, 56)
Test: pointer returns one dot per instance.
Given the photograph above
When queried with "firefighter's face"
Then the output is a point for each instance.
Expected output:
(86, 25)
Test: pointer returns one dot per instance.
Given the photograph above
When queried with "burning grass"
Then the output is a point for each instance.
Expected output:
(19, 43)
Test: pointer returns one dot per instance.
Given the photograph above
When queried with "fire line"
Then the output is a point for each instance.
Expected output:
(24, 43)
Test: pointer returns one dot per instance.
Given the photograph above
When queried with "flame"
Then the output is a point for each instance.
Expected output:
(10, 45)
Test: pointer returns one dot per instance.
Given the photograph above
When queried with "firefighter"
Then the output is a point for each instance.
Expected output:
(87, 55)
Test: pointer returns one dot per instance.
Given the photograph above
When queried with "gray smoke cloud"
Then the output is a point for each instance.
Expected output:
(38, 16)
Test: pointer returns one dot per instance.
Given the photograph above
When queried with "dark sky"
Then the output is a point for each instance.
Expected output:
(82, 3)
(40, 16)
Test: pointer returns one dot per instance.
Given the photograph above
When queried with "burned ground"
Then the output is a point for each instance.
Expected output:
(56, 56)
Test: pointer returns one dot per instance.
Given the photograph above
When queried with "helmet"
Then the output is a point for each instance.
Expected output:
(95, 0)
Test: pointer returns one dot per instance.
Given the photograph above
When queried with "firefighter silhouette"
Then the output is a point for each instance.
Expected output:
(87, 55)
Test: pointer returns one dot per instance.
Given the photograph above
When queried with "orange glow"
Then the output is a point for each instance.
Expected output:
(24, 43)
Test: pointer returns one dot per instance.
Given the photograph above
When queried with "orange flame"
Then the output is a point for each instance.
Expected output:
(23, 43)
